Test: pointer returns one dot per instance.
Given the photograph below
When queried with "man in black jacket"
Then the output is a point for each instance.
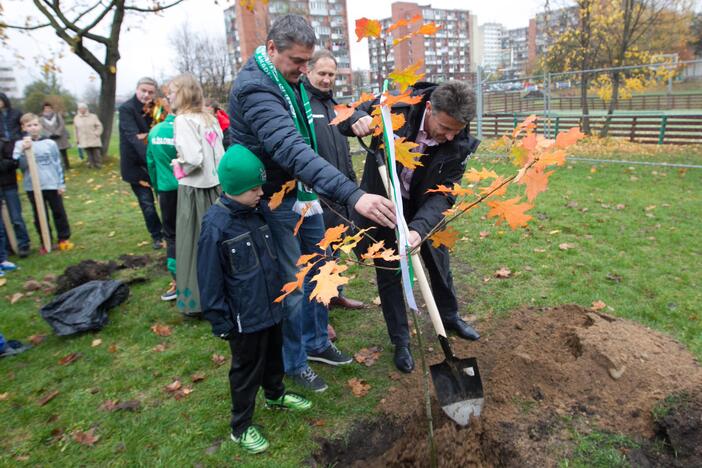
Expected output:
(438, 124)
(134, 127)
(10, 132)
(331, 144)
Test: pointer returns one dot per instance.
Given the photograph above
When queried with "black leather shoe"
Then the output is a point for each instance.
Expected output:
(345, 303)
(462, 329)
(403, 359)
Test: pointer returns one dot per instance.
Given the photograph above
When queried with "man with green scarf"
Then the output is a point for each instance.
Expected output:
(272, 118)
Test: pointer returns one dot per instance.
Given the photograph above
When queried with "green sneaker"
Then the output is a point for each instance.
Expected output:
(251, 440)
(291, 401)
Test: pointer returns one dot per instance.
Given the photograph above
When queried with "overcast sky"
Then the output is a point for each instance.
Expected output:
(145, 47)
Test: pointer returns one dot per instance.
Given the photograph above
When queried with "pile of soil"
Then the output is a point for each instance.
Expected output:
(89, 270)
(546, 373)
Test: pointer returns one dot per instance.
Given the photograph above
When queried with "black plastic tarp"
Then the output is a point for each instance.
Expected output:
(85, 307)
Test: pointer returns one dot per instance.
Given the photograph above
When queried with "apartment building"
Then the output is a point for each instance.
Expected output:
(246, 30)
(490, 46)
(445, 56)
(8, 83)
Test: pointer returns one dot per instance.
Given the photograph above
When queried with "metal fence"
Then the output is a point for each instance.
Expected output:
(668, 110)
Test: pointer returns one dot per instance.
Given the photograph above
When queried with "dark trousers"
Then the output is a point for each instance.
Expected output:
(58, 212)
(94, 157)
(64, 157)
(436, 263)
(168, 202)
(145, 197)
(257, 361)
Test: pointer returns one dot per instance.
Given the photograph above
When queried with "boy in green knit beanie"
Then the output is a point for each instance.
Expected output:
(238, 277)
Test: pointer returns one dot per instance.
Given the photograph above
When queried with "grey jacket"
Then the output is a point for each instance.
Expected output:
(48, 159)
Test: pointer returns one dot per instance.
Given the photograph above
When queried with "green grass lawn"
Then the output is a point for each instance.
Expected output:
(633, 244)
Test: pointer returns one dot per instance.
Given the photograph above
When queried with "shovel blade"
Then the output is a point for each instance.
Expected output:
(459, 388)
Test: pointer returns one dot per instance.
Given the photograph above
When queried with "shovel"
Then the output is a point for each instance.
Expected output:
(457, 382)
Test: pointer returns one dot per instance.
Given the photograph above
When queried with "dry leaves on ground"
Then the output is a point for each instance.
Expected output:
(566, 246)
(161, 329)
(69, 358)
(36, 339)
(47, 397)
(198, 377)
(96, 342)
(86, 438)
(116, 405)
(598, 305)
(359, 387)
(503, 272)
(218, 359)
(16, 297)
(367, 356)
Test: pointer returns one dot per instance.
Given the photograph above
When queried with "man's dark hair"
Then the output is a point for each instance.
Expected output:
(456, 99)
(320, 54)
(289, 30)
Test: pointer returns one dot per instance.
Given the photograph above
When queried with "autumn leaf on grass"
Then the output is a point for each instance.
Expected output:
(536, 181)
(161, 329)
(566, 246)
(367, 28)
(511, 211)
(492, 190)
(503, 272)
(598, 305)
(445, 237)
(159, 348)
(359, 387)
(182, 393)
(569, 138)
(173, 386)
(405, 98)
(277, 198)
(218, 359)
(36, 339)
(96, 342)
(305, 209)
(404, 156)
(16, 297)
(86, 438)
(343, 112)
(69, 358)
(332, 236)
(328, 281)
(367, 356)
(407, 77)
(47, 397)
(474, 176)
(197, 377)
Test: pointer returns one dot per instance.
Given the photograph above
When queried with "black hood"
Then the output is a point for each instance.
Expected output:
(6, 101)
(318, 93)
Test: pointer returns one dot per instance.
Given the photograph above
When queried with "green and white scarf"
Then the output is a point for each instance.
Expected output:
(305, 195)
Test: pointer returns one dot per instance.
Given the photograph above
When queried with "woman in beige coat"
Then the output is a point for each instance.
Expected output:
(88, 132)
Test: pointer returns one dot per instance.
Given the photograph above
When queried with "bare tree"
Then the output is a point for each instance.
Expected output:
(92, 29)
(206, 57)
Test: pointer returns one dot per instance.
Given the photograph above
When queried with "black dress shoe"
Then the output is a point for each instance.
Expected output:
(345, 303)
(403, 359)
(462, 329)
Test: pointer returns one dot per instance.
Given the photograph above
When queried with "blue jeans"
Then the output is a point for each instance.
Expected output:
(14, 207)
(304, 322)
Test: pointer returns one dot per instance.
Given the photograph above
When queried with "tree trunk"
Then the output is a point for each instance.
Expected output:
(616, 80)
(584, 84)
(106, 107)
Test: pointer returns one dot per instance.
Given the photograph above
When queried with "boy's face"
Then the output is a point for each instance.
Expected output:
(32, 127)
(249, 198)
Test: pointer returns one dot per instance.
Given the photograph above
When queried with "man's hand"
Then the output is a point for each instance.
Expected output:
(376, 208)
(414, 239)
(61, 191)
(362, 126)
(144, 183)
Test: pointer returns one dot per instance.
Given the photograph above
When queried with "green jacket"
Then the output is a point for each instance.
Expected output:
(160, 151)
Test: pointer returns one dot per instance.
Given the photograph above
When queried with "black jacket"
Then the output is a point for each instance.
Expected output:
(237, 269)
(331, 145)
(443, 164)
(132, 150)
(10, 132)
(263, 124)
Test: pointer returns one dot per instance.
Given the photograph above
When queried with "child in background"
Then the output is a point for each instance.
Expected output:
(198, 141)
(239, 281)
(48, 159)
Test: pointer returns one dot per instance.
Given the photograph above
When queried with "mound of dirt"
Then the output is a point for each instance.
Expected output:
(89, 270)
(546, 373)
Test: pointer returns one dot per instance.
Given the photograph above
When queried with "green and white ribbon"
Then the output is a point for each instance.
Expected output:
(305, 126)
(402, 230)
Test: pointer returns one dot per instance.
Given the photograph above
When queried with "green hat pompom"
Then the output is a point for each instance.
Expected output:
(240, 170)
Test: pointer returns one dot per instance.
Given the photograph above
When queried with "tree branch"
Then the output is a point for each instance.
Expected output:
(25, 28)
(154, 9)
(80, 33)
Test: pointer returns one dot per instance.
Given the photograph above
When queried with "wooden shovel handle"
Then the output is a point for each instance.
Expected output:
(417, 266)
(38, 199)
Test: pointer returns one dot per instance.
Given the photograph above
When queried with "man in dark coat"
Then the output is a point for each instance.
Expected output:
(261, 99)
(10, 132)
(134, 127)
(438, 124)
(331, 144)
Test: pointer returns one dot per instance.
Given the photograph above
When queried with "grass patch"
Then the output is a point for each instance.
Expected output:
(632, 231)
(599, 450)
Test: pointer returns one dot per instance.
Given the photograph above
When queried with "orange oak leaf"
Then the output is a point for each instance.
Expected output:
(408, 76)
(305, 258)
(359, 387)
(528, 125)
(367, 356)
(305, 209)
(365, 97)
(367, 28)
(459, 191)
(327, 282)
(292, 286)
(445, 237)
(460, 207)
(404, 155)
(441, 188)
(343, 112)
(405, 97)
(511, 211)
(474, 175)
(566, 139)
(536, 181)
(402, 39)
(493, 190)
(403, 22)
(332, 236)
(373, 250)
(428, 29)
(557, 157)
(398, 121)
(161, 329)
(349, 242)
(277, 198)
